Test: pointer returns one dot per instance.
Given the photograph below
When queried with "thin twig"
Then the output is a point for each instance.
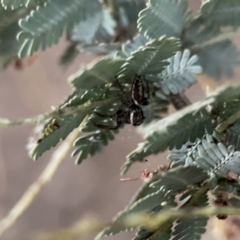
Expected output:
(56, 113)
(227, 123)
(154, 221)
(34, 189)
(219, 38)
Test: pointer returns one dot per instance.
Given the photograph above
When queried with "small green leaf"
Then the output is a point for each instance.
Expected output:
(45, 25)
(179, 74)
(99, 72)
(14, 4)
(143, 205)
(151, 58)
(59, 134)
(221, 12)
(163, 17)
(91, 144)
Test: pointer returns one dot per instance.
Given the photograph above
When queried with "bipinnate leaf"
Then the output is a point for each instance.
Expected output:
(98, 72)
(150, 196)
(179, 74)
(163, 17)
(143, 205)
(59, 134)
(14, 4)
(151, 58)
(45, 25)
(221, 12)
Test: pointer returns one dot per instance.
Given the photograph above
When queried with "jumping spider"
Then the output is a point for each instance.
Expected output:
(132, 113)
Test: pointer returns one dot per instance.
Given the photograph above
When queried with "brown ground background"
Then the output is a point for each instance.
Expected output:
(93, 187)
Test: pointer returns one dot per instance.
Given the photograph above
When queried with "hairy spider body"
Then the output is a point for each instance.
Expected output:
(132, 113)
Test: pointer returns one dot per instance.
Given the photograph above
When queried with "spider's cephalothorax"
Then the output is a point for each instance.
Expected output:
(139, 95)
(132, 113)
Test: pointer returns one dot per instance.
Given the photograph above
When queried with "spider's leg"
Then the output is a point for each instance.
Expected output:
(147, 87)
(105, 126)
(137, 90)
(122, 117)
(119, 119)
(123, 97)
(105, 115)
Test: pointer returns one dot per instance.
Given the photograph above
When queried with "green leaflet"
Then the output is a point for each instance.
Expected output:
(145, 204)
(130, 9)
(180, 178)
(97, 28)
(99, 72)
(221, 12)
(8, 30)
(149, 198)
(145, 234)
(59, 134)
(219, 59)
(46, 24)
(191, 229)
(163, 17)
(149, 59)
(13, 4)
(131, 46)
(91, 144)
(211, 155)
(179, 74)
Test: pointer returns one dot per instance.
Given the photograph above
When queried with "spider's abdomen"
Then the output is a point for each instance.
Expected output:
(138, 93)
(136, 116)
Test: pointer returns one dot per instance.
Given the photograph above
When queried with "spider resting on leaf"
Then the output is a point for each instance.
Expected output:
(132, 113)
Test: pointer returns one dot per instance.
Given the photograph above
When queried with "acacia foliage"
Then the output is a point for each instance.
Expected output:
(170, 45)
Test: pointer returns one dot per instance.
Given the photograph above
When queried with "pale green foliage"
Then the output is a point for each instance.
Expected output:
(211, 156)
(91, 144)
(163, 17)
(131, 46)
(41, 32)
(218, 60)
(67, 125)
(96, 28)
(174, 131)
(150, 197)
(8, 30)
(222, 12)
(178, 75)
(95, 74)
(149, 59)
(14, 4)
(166, 43)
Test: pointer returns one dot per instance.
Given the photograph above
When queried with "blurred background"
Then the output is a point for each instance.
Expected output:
(75, 191)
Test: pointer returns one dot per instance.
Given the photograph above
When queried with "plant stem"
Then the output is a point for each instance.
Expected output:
(219, 38)
(34, 189)
(227, 123)
(56, 113)
(168, 215)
